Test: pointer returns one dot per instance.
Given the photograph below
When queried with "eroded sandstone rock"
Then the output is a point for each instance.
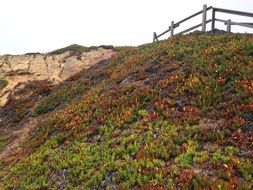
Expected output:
(22, 68)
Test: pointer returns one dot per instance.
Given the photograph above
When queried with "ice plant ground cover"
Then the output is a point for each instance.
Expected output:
(175, 114)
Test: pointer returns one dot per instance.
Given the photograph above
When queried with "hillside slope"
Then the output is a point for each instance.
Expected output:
(175, 114)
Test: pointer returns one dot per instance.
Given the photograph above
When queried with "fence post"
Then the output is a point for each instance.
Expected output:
(154, 37)
(213, 20)
(228, 25)
(172, 29)
(204, 18)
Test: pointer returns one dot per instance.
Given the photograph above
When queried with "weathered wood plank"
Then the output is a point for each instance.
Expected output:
(172, 29)
(241, 13)
(248, 25)
(192, 28)
(196, 14)
(228, 25)
(244, 24)
(213, 20)
(166, 31)
(204, 18)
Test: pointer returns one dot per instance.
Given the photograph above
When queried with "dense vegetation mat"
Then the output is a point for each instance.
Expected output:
(175, 114)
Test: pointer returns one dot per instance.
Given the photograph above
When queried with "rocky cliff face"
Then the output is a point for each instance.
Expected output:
(54, 67)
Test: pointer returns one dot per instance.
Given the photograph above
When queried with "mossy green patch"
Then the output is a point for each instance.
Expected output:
(73, 48)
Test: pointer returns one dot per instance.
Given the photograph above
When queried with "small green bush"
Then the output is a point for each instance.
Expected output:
(59, 97)
(200, 157)
(74, 48)
(246, 168)
(217, 156)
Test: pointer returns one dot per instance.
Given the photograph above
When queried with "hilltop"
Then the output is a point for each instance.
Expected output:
(174, 114)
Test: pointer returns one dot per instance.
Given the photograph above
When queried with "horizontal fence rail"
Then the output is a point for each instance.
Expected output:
(204, 22)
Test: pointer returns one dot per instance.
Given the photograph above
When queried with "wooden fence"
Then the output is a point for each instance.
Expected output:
(214, 10)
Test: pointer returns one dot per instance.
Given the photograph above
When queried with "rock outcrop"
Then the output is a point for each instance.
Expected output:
(56, 68)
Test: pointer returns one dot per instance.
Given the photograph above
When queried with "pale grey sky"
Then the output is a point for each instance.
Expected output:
(45, 25)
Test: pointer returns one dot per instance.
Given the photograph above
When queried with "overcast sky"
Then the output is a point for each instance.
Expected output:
(45, 25)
